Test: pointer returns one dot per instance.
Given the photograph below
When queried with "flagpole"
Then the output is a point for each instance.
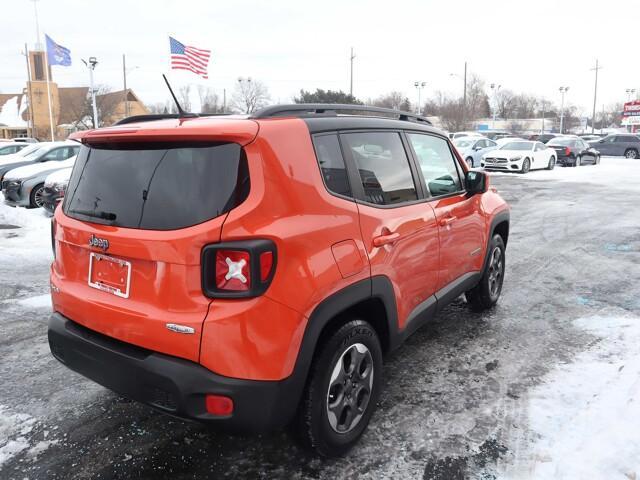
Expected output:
(49, 95)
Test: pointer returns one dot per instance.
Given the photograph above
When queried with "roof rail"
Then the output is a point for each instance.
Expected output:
(329, 109)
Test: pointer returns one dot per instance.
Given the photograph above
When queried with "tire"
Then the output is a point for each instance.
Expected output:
(35, 197)
(578, 161)
(597, 161)
(552, 163)
(322, 422)
(469, 161)
(526, 166)
(487, 292)
(631, 153)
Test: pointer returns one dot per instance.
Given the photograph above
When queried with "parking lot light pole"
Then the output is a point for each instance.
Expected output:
(494, 89)
(563, 90)
(91, 65)
(419, 86)
(630, 93)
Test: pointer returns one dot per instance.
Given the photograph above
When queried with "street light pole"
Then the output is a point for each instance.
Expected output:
(419, 86)
(563, 90)
(494, 89)
(91, 65)
(351, 58)
(464, 98)
(595, 95)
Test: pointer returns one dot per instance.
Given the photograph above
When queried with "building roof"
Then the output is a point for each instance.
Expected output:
(13, 109)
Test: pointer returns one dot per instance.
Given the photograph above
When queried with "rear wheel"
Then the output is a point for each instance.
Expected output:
(526, 166)
(487, 292)
(552, 163)
(631, 153)
(578, 161)
(342, 390)
(35, 198)
(597, 160)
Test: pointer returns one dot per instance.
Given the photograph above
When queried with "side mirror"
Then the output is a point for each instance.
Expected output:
(476, 182)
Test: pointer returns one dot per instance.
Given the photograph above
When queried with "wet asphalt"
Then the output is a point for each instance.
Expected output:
(454, 404)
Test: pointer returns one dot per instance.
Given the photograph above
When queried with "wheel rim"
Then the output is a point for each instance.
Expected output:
(470, 162)
(631, 154)
(37, 197)
(578, 161)
(525, 166)
(496, 270)
(350, 388)
(552, 163)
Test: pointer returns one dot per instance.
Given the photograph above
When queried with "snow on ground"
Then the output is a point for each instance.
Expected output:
(615, 172)
(13, 429)
(586, 414)
(34, 239)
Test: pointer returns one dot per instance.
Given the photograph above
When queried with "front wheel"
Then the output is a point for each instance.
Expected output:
(35, 199)
(487, 292)
(526, 166)
(552, 163)
(342, 390)
(578, 161)
(469, 161)
(597, 160)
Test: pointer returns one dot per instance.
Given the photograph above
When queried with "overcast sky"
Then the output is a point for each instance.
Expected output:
(526, 46)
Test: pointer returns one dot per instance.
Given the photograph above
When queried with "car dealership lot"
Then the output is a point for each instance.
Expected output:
(507, 394)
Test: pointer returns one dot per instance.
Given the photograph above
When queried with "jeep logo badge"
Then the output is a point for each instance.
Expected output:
(99, 242)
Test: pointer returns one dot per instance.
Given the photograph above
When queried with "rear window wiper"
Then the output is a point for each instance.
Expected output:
(96, 214)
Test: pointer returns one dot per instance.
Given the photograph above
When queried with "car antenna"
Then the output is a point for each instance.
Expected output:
(181, 112)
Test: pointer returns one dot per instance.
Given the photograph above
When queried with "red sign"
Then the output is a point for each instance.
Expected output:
(631, 109)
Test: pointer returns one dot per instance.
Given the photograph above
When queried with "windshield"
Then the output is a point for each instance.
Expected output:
(466, 143)
(32, 154)
(156, 186)
(517, 146)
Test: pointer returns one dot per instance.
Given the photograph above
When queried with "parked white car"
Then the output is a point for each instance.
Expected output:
(520, 156)
(471, 149)
(455, 135)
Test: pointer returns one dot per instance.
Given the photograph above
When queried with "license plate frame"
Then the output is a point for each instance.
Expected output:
(115, 290)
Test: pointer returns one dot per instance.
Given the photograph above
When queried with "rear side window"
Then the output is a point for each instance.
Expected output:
(383, 166)
(332, 164)
(158, 186)
(437, 164)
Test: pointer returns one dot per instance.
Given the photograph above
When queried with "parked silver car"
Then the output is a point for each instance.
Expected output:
(471, 149)
(24, 186)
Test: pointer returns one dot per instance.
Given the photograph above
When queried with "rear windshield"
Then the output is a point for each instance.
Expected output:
(562, 142)
(157, 186)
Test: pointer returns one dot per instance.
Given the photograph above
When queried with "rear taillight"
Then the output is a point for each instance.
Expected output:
(219, 405)
(567, 151)
(238, 269)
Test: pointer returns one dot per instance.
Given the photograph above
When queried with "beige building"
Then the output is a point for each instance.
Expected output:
(71, 106)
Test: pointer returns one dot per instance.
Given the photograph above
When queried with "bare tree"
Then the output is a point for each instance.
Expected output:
(209, 100)
(183, 95)
(395, 100)
(249, 95)
(504, 103)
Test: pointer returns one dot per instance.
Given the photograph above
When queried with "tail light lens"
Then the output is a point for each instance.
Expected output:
(567, 151)
(53, 236)
(238, 269)
(219, 405)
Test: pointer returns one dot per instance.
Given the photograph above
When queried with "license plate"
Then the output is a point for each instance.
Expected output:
(109, 274)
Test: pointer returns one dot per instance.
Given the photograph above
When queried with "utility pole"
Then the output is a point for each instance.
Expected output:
(543, 107)
(351, 76)
(494, 89)
(91, 65)
(563, 90)
(224, 100)
(124, 78)
(29, 96)
(464, 98)
(595, 95)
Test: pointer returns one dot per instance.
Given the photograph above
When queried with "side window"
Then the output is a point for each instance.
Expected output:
(332, 165)
(55, 154)
(383, 166)
(491, 143)
(481, 144)
(437, 163)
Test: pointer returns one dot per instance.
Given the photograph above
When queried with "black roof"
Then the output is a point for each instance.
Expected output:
(350, 122)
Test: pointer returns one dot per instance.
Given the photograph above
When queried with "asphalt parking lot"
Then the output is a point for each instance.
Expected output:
(459, 396)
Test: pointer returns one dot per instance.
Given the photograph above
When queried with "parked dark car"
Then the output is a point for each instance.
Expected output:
(573, 152)
(619, 144)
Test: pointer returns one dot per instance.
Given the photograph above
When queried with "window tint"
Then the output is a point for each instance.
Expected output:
(332, 165)
(626, 139)
(437, 164)
(156, 187)
(383, 165)
(491, 143)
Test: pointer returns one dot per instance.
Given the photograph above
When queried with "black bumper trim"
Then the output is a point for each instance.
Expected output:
(172, 385)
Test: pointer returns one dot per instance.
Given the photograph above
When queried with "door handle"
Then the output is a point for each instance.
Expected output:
(444, 222)
(386, 239)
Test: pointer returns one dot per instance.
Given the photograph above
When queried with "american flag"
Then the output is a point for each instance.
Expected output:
(194, 59)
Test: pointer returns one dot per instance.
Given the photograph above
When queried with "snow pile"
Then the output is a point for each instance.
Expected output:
(13, 428)
(11, 112)
(31, 240)
(587, 413)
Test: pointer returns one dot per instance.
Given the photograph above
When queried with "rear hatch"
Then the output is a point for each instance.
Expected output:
(130, 234)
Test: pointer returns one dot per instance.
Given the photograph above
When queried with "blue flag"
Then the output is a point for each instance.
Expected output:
(57, 54)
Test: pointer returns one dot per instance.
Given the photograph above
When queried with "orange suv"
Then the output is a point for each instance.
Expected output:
(251, 271)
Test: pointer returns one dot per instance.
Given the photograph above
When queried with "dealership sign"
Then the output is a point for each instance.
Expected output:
(631, 109)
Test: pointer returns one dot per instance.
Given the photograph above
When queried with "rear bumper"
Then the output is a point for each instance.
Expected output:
(172, 385)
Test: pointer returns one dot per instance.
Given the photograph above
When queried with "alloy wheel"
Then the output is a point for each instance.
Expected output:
(37, 197)
(631, 154)
(350, 388)
(496, 271)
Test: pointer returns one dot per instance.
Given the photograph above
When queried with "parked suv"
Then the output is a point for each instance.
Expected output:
(251, 272)
(619, 144)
